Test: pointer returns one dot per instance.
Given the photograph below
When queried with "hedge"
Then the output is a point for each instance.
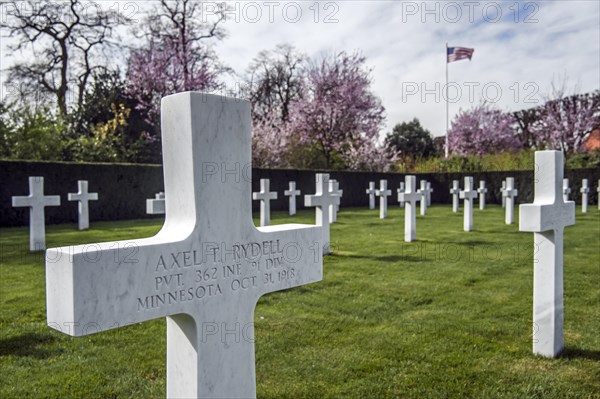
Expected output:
(124, 188)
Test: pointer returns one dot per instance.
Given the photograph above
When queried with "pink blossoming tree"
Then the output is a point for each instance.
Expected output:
(178, 56)
(482, 130)
(337, 112)
(566, 121)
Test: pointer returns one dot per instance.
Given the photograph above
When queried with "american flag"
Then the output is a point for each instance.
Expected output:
(459, 53)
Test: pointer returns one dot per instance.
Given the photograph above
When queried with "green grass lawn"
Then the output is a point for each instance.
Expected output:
(448, 316)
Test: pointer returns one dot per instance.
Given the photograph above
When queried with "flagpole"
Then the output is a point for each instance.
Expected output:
(447, 104)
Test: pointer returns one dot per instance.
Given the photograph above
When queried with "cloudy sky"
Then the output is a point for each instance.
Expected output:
(520, 47)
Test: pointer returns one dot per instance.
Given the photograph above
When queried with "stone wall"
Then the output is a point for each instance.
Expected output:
(124, 188)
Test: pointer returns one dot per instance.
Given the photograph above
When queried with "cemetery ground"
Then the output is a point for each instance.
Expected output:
(447, 316)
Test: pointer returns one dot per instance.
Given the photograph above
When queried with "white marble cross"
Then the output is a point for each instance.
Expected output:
(503, 193)
(428, 192)
(455, 191)
(469, 195)
(424, 193)
(546, 218)
(400, 191)
(83, 197)
(482, 191)
(371, 192)
(410, 197)
(264, 196)
(156, 205)
(321, 200)
(206, 268)
(383, 193)
(585, 189)
(566, 190)
(334, 189)
(510, 193)
(598, 191)
(36, 201)
(292, 193)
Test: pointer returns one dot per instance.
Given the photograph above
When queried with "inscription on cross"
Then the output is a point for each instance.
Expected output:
(36, 201)
(546, 218)
(204, 271)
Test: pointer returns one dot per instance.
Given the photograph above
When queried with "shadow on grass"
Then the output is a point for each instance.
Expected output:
(26, 345)
(471, 242)
(386, 258)
(578, 353)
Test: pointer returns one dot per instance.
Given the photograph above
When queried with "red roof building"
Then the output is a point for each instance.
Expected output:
(592, 143)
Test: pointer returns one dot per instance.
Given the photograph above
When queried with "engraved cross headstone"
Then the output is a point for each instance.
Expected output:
(207, 267)
(36, 201)
(156, 205)
(510, 193)
(482, 191)
(428, 192)
(399, 191)
(424, 193)
(410, 197)
(265, 196)
(83, 197)
(584, 195)
(334, 189)
(292, 193)
(455, 191)
(321, 200)
(503, 193)
(371, 192)
(383, 193)
(546, 218)
(598, 191)
(469, 195)
(566, 190)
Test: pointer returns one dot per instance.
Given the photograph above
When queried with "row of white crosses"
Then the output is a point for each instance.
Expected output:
(383, 192)
(585, 190)
(469, 194)
(36, 201)
(408, 196)
(265, 196)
